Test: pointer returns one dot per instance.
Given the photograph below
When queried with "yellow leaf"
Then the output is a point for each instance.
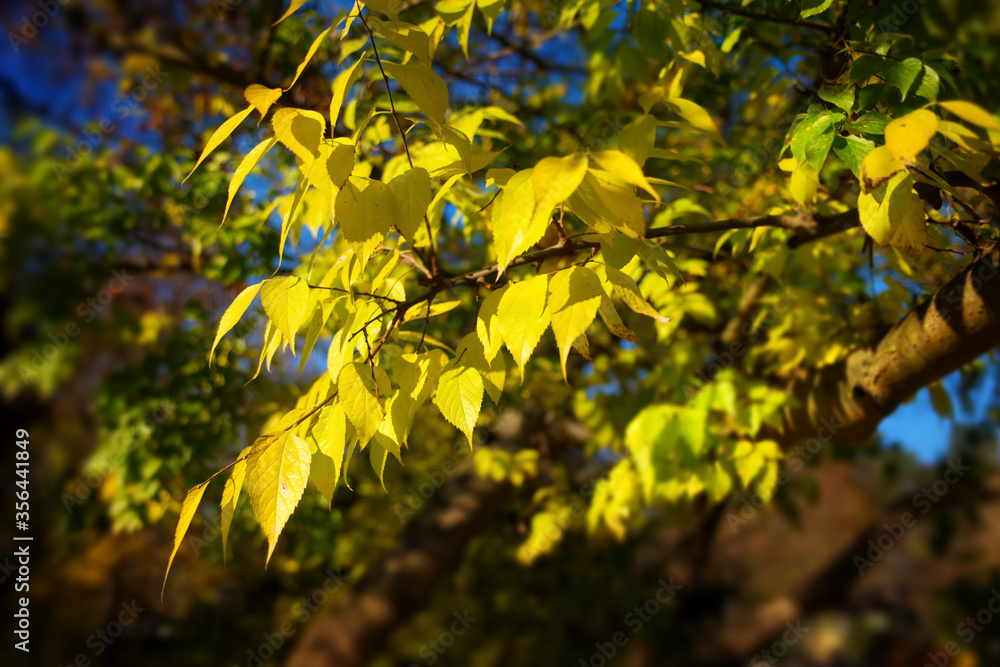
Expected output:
(514, 230)
(231, 495)
(365, 215)
(412, 191)
(330, 433)
(246, 166)
(285, 301)
(614, 322)
(878, 167)
(422, 311)
(554, 179)
(695, 115)
(625, 289)
(574, 297)
(234, 312)
(188, 508)
(524, 317)
(277, 471)
(300, 131)
(293, 7)
(219, 136)
(488, 323)
(364, 397)
(309, 54)
(459, 397)
(262, 97)
(908, 136)
(424, 87)
(342, 86)
(972, 113)
(625, 168)
(906, 215)
(332, 166)
(803, 185)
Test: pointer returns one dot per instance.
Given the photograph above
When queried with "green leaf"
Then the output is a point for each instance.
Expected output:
(330, 433)
(853, 150)
(233, 313)
(246, 166)
(873, 122)
(840, 96)
(277, 471)
(523, 317)
(424, 87)
(574, 298)
(812, 139)
(363, 397)
(412, 191)
(231, 495)
(813, 7)
(459, 397)
(262, 97)
(188, 508)
(902, 74)
(488, 323)
(285, 301)
(865, 67)
(219, 136)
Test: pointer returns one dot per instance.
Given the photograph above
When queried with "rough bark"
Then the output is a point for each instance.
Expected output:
(847, 400)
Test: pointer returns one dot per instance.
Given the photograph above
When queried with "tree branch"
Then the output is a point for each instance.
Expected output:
(960, 322)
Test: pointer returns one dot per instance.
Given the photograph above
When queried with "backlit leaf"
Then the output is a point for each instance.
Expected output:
(188, 508)
(277, 471)
(364, 397)
(524, 317)
(219, 136)
(234, 312)
(574, 298)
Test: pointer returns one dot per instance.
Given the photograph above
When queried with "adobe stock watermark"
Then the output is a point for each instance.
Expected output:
(88, 310)
(901, 13)
(33, 22)
(795, 460)
(435, 648)
(923, 501)
(779, 649)
(100, 641)
(301, 611)
(86, 483)
(634, 620)
(418, 494)
(967, 630)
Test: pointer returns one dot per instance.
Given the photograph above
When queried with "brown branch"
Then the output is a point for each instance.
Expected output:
(958, 323)
(767, 18)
